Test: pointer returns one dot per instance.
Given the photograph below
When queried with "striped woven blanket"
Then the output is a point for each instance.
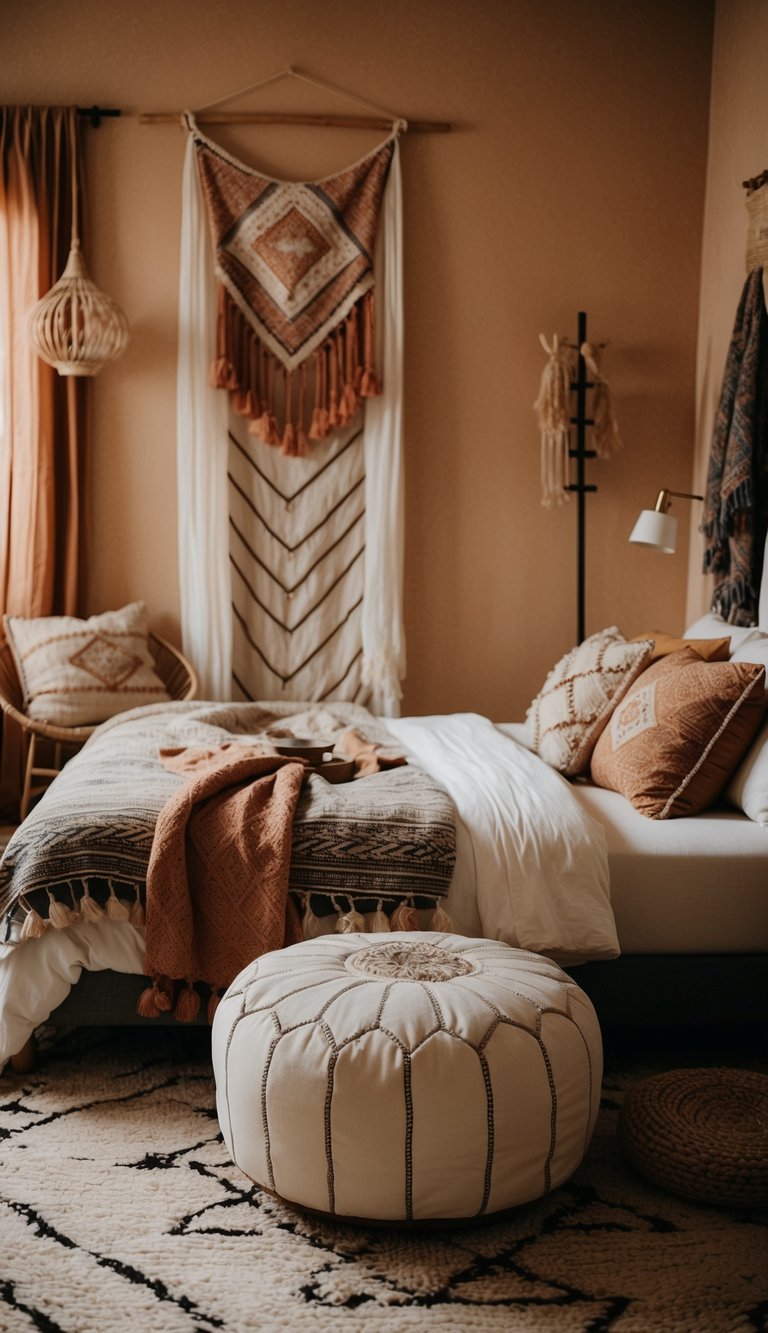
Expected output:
(386, 839)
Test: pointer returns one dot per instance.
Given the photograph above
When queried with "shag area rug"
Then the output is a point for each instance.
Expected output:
(119, 1209)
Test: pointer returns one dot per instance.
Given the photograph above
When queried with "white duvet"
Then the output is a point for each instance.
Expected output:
(531, 870)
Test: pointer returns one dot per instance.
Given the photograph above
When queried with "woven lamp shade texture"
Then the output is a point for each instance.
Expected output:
(76, 327)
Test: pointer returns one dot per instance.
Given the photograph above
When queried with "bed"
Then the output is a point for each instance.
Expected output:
(658, 919)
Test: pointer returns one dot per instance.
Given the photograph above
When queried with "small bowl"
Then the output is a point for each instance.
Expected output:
(337, 769)
(304, 748)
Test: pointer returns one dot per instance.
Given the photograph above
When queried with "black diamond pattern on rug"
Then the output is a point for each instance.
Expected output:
(119, 1209)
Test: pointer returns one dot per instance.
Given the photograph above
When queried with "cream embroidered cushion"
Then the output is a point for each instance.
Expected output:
(76, 673)
(579, 695)
(675, 739)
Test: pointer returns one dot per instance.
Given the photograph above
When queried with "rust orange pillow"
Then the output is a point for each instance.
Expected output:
(710, 650)
(676, 737)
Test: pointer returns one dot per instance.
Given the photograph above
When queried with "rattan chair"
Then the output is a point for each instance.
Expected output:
(177, 674)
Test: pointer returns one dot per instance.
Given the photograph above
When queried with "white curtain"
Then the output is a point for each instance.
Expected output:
(202, 450)
(202, 415)
(382, 626)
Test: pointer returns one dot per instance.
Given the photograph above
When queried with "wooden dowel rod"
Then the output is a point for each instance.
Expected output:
(290, 118)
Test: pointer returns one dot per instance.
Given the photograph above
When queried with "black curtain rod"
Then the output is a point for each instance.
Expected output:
(96, 113)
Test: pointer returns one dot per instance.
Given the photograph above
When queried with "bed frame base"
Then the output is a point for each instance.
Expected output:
(639, 990)
(632, 991)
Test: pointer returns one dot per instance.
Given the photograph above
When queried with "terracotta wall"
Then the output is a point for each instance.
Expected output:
(573, 178)
(738, 150)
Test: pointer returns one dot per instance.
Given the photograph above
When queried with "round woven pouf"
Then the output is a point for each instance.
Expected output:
(701, 1133)
(406, 1077)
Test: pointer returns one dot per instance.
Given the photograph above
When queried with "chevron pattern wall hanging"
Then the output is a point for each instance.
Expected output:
(297, 548)
(291, 482)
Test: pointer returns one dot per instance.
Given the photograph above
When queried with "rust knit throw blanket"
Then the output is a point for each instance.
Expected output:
(217, 883)
(294, 261)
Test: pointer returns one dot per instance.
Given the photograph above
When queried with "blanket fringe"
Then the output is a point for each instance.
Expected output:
(404, 917)
(188, 1004)
(117, 910)
(89, 909)
(136, 914)
(34, 926)
(379, 920)
(156, 999)
(59, 915)
(441, 921)
(350, 919)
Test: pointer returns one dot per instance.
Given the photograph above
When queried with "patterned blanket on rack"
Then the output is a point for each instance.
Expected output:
(387, 838)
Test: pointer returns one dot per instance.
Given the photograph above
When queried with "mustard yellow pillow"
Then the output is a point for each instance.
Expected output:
(676, 737)
(710, 650)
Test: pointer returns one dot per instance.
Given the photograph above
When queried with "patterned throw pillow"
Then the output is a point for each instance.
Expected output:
(579, 695)
(675, 739)
(76, 673)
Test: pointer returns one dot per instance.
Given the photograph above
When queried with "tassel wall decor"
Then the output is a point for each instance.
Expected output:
(573, 369)
(553, 410)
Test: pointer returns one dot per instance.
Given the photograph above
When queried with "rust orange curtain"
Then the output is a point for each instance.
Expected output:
(42, 414)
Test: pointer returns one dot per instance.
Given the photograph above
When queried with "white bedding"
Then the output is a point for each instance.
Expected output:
(692, 885)
(531, 870)
(532, 867)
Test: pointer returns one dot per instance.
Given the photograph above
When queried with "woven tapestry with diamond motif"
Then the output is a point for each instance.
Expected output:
(295, 326)
(291, 508)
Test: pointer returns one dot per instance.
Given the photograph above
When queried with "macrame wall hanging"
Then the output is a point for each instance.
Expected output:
(574, 402)
(295, 330)
(290, 480)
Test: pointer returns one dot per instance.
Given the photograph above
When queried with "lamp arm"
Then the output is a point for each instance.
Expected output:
(664, 499)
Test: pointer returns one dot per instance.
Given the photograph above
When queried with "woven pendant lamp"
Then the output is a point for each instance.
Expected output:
(76, 327)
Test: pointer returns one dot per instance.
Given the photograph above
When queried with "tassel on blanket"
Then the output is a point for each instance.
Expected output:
(350, 921)
(404, 917)
(379, 920)
(116, 910)
(553, 410)
(214, 1000)
(441, 921)
(59, 915)
(34, 925)
(136, 914)
(310, 924)
(187, 1005)
(156, 999)
(89, 909)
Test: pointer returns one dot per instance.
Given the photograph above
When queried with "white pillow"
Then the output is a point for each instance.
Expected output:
(748, 788)
(580, 693)
(712, 626)
(77, 673)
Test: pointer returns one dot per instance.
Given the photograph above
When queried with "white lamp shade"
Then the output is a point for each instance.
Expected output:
(655, 529)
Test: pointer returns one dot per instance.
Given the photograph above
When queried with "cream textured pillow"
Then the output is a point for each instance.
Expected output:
(78, 672)
(578, 696)
(675, 739)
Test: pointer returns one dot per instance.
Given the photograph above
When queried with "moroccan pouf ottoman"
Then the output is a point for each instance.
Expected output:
(406, 1077)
